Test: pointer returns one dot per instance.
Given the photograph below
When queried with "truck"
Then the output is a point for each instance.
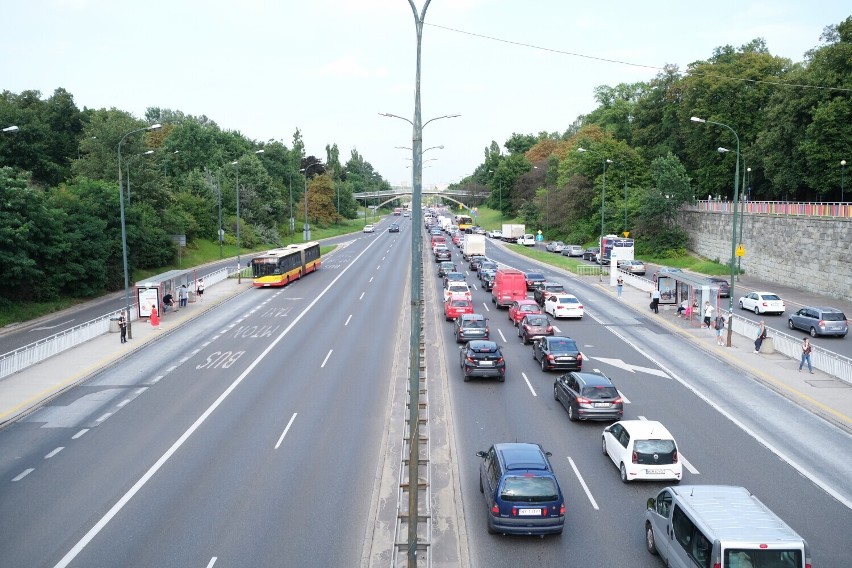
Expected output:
(624, 248)
(512, 231)
(509, 285)
(473, 244)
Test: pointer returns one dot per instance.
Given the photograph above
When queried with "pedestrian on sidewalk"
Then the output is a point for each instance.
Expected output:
(199, 288)
(806, 355)
(122, 327)
(183, 295)
(619, 285)
(719, 326)
(708, 314)
(154, 318)
(761, 335)
(655, 301)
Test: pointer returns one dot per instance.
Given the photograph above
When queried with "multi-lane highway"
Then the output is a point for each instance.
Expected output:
(253, 435)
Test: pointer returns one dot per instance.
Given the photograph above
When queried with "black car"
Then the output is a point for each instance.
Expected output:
(542, 289)
(445, 267)
(482, 358)
(533, 278)
(453, 277)
(591, 254)
(442, 254)
(475, 261)
(588, 396)
(557, 352)
(394, 228)
(724, 286)
(488, 280)
(533, 326)
(486, 265)
(471, 326)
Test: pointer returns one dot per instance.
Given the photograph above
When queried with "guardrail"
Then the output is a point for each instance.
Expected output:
(38, 351)
(591, 269)
(810, 209)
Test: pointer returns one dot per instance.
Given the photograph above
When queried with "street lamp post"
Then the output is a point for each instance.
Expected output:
(124, 229)
(734, 227)
(842, 168)
(130, 159)
(307, 228)
(239, 266)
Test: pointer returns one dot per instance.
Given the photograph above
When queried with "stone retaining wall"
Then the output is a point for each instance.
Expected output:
(801, 252)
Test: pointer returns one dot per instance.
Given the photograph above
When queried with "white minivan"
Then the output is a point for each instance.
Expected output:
(720, 526)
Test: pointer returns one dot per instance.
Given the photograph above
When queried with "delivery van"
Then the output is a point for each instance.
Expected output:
(509, 285)
(720, 526)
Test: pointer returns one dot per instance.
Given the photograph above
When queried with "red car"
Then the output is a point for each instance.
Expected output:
(454, 307)
(520, 308)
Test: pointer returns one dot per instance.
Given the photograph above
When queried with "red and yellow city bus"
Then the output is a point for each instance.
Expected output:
(279, 267)
(464, 222)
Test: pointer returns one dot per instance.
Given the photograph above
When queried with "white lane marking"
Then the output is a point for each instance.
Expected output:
(23, 474)
(383, 258)
(79, 434)
(284, 433)
(361, 297)
(485, 305)
(326, 358)
(156, 379)
(123, 403)
(583, 483)
(500, 331)
(532, 390)
(685, 461)
(347, 320)
(115, 509)
(54, 452)
(623, 398)
(378, 267)
(474, 287)
(104, 417)
(371, 279)
(557, 330)
(212, 562)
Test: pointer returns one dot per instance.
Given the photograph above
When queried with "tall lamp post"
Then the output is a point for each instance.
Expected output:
(603, 197)
(124, 229)
(127, 168)
(734, 228)
(239, 266)
(842, 171)
(307, 229)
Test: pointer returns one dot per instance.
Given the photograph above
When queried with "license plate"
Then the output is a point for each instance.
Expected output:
(486, 364)
(529, 512)
(654, 471)
(601, 404)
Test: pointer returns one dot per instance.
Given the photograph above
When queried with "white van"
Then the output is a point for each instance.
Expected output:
(720, 526)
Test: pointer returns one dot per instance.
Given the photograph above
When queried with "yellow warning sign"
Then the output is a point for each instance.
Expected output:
(740, 250)
(626, 234)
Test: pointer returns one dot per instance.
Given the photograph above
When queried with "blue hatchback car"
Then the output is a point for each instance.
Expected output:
(521, 491)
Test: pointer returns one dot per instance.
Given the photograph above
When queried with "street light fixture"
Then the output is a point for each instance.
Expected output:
(424, 151)
(11, 129)
(239, 266)
(124, 229)
(734, 227)
(307, 229)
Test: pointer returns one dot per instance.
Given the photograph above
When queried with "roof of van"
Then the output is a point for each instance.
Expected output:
(733, 513)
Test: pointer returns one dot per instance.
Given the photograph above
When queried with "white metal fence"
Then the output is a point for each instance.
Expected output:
(29, 355)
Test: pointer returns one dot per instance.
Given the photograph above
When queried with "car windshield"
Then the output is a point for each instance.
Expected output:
(529, 488)
(563, 345)
(834, 316)
(600, 393)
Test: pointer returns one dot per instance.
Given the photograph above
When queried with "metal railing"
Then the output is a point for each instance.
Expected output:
(38, 351)
(810, 209)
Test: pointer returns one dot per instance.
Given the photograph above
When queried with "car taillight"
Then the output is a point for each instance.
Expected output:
(550, 357)
(471, 360)
(579, 357)
(500, 360)
(549, 329)
(580, 307)
(562, 509)
(495, 510)
(514, 511)
(821, 323)
(617, 401)
(634, 457)
(583, 400)
(674, 457)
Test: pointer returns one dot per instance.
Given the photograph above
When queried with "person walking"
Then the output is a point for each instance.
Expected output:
(122, 327)
(183, 295)
(761, 335)
(619, 285)
(154, 318)
(708, 314)
(655, 301)
(199, 289)
(719, 326)
(806, 355)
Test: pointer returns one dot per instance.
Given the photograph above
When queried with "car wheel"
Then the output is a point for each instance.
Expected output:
(756, 311)
(543, 365)
(488, 522)
(623, 473)
(790, 324)
(466, 378)
(555, 393)
(813, 332)
(650, 541)
(481, 489)
(501, 379)
(741, 305)
(519, 331)
(571, 416)
(603, 446)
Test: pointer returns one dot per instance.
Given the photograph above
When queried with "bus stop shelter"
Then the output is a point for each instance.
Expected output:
(677, 287)
(150, 292)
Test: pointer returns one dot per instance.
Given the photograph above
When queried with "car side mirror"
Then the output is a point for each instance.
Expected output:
(652, 503)
(481, 454)
(548, 454)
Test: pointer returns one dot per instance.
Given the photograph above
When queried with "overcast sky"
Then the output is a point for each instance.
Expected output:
(328, 67)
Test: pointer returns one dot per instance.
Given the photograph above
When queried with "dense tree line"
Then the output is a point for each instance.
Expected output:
(60, 223)
(792, 120)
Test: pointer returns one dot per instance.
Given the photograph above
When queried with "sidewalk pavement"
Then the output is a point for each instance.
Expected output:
(823, 395)
(26, 390)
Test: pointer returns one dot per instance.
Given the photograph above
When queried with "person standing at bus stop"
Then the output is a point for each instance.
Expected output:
(199, 289)
(655, 301)
(619, 285)
(183, 295)
(122, 327)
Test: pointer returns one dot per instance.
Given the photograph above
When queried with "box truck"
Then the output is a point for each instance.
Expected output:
(473, 244)
(512, 231)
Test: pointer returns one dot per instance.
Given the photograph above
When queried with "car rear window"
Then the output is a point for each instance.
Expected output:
(555, 288)
(600, 392)
(833, 316)
(569, 300)
(477, 323)
(654, 446)
(535, 276)
(563, 345)
(529, 488)
(459, 303)
(770, 297)
(537, 320)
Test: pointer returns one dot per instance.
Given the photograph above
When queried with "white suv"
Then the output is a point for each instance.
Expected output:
(527, 240)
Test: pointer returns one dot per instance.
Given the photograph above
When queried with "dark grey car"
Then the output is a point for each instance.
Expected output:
(820, 321)
(588, 396)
